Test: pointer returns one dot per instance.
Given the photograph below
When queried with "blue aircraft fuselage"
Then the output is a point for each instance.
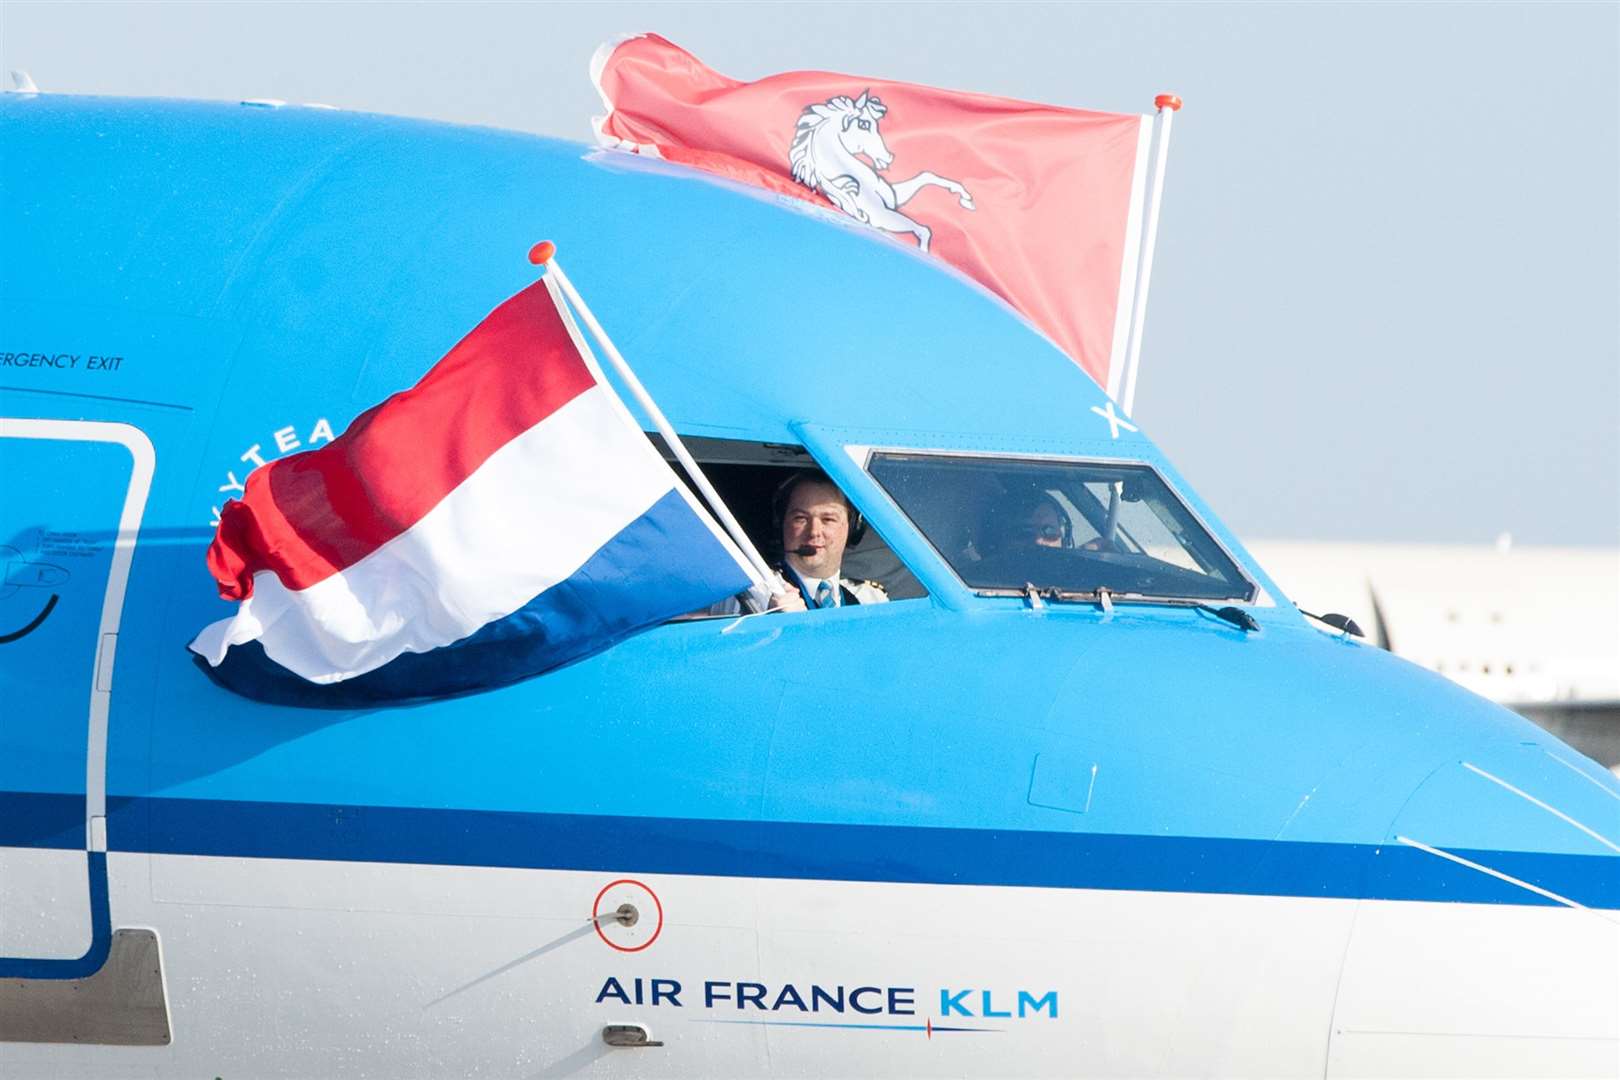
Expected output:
(231, 284)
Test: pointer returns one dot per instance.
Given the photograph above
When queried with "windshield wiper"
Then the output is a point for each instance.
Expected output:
(1037, 597)
(1343, 623)
(1234, 615)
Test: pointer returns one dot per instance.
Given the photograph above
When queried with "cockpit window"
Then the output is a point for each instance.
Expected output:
(1005, 524)
(747, 476)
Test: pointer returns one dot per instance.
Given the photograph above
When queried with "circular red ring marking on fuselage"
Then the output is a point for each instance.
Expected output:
(596, 913)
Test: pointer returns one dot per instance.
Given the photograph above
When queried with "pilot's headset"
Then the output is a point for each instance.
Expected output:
(784, 491)
(1027, 503)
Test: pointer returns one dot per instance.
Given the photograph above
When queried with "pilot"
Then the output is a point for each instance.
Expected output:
(817, 522)
(1030, 518)
(1039, 521)
(1043, 523)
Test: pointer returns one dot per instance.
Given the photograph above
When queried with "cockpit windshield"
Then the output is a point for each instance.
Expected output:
(1005, 524)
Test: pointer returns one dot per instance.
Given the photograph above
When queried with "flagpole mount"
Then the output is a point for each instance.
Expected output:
(542, 252)
(1167, 101)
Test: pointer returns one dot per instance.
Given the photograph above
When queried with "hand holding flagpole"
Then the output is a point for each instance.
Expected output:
(544, 254)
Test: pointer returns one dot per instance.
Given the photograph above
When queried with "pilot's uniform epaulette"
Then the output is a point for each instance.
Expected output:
(864, 592)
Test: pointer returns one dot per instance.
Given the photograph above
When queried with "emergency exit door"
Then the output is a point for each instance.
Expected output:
(71, 497)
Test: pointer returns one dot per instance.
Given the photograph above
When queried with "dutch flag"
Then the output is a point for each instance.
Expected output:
(502, 517)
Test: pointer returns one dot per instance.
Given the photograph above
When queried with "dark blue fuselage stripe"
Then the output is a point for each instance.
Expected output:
(782, 849)
(37, 820)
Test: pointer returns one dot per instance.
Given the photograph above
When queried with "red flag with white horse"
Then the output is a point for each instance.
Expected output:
(1041, 205)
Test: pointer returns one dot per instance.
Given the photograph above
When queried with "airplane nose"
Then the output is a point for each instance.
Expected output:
(1544, 804)
(1453, 866)
(1493, 943)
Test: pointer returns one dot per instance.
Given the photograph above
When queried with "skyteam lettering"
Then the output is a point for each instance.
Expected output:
(286, 439)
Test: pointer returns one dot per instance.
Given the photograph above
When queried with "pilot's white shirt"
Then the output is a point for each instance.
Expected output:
(867, 592)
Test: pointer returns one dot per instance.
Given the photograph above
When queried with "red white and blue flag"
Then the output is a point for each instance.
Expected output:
(503, 516)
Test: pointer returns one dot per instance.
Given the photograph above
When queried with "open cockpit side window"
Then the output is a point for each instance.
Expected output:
(749, 477)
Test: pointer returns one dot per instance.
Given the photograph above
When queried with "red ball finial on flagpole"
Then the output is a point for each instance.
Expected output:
(542, 252)
(1167, 101)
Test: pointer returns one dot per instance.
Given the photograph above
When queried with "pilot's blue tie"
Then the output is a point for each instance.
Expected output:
(825, 596)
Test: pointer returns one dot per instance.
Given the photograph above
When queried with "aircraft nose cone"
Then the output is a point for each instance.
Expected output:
(1519, 973)
(1524, 818)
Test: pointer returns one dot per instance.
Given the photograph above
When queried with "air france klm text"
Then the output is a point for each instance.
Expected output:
(839, 999)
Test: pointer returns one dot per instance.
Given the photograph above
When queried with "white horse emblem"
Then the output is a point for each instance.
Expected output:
(828, 145)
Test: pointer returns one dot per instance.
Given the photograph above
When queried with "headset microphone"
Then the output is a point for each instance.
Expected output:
(804, 552)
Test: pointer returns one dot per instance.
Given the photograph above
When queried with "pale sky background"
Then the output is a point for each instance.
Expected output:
(1386, 301)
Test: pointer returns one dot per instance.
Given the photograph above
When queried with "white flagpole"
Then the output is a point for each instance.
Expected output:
(1168, 105)
(542, 254)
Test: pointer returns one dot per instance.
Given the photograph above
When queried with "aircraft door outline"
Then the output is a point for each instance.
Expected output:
(142, 466)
